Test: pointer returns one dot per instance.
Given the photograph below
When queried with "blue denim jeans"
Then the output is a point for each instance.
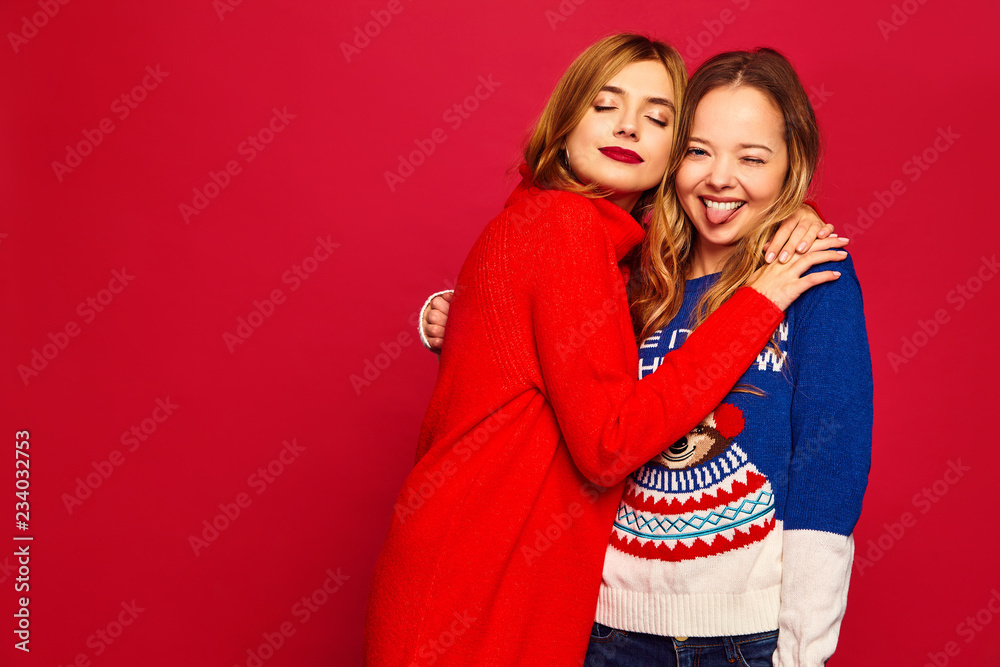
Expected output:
(627, 649)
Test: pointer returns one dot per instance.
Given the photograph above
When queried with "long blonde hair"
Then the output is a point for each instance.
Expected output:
(667, 252)
(573, 96)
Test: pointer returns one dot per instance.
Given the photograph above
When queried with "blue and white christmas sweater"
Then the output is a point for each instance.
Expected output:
(745, 525)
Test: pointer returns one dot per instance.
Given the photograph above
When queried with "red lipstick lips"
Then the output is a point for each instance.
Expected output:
(621, 154)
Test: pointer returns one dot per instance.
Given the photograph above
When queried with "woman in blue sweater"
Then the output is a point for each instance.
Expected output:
(736, 542)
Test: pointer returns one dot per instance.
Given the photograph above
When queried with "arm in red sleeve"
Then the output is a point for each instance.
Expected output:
(612, 422)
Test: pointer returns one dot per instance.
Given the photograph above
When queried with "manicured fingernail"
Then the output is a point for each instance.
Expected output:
(842, 252)
(832, 234)
(769, 258)
(836, 273)
(783, 257)
(844, 238)
(802, 247)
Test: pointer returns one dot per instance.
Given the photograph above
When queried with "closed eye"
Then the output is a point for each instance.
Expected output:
(661, 123)
(599, 108)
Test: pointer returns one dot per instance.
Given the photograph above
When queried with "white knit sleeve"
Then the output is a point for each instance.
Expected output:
(815, 573)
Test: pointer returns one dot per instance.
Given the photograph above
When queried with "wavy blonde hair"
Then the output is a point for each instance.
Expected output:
(573, 96)
(667, 252)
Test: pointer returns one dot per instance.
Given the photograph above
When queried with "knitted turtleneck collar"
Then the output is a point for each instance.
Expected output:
(625, 232)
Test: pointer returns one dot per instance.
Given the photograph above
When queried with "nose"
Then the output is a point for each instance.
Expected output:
(628, 125)
(720, 176)
(679, 446)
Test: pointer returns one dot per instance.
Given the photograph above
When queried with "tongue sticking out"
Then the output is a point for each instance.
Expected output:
(719, 215)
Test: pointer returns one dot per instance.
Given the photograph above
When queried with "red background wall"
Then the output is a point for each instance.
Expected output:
(113, 515)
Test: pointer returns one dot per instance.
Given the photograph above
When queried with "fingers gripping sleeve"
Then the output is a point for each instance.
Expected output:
(420, 324)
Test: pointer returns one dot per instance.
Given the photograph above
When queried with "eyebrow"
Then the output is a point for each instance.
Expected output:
(708, 143)
(653, 100)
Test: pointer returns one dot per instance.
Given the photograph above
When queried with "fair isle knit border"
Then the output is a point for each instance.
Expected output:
(678, 551)
(696, 524)
(724, 504)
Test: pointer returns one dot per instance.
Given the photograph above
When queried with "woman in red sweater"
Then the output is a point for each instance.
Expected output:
(496, 546)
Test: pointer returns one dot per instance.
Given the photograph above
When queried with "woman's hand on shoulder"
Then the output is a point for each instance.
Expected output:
(783, 283)
(797, 234)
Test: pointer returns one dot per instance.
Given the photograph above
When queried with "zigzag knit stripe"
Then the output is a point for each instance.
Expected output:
(678, 551)
(750, 509)
(636, 499)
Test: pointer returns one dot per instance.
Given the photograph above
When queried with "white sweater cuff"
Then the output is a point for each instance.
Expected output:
(420, 324)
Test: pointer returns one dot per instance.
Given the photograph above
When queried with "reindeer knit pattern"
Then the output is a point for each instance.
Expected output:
(745, 524)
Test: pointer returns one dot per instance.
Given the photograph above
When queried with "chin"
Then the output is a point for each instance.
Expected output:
(712, 237)
(722, 242)
(630, 178)
(625, 186)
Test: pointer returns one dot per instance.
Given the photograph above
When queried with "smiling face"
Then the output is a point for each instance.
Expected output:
(733, 169)
(623, 141)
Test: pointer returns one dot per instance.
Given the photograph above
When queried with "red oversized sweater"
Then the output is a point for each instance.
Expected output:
(497, 542)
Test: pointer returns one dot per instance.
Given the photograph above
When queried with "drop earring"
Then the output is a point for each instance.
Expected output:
(566, 161)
